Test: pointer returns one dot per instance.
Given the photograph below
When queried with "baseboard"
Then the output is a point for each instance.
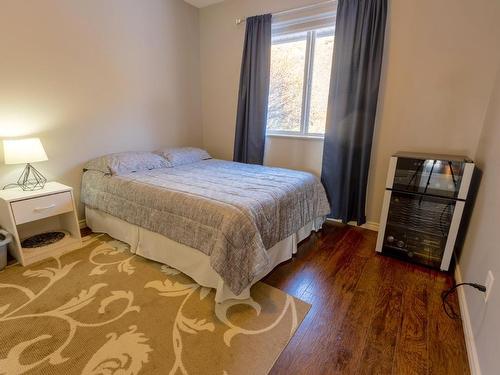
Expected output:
(470, 343)
(370, 225)
(82, 223)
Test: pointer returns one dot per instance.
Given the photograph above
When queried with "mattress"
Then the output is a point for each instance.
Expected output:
(231, 212)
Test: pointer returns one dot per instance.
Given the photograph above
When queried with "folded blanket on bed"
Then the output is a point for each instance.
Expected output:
(230, 211)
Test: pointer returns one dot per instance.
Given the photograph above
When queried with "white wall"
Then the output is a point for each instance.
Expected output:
(482, 249)
(93, 77)
(440, 62)
(294, 153)
(440, 58)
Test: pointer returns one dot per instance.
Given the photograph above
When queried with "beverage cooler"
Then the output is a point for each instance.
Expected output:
(423, 207)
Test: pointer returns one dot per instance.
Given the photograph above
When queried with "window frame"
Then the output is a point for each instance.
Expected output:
(311, 36)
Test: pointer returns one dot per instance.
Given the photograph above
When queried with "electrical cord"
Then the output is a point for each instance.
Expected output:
(448, 308)
(10, 186)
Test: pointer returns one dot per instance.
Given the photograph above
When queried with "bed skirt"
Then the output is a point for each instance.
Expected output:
(190, 261)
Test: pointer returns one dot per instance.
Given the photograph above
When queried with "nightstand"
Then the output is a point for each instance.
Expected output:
(26, 213)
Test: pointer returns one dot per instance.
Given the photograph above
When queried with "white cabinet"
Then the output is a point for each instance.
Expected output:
(26, 213)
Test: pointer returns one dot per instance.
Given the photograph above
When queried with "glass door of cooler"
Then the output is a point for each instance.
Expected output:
(434, 177)
(417, 227)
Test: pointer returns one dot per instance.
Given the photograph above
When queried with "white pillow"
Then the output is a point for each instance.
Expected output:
(183, 155)
(127, 162)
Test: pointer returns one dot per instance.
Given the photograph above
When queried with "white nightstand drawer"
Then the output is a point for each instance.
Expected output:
(38, 208)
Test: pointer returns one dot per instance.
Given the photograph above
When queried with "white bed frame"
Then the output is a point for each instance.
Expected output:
(186, 259)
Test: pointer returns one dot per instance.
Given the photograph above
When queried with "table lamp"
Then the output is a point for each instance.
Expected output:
(28, 150)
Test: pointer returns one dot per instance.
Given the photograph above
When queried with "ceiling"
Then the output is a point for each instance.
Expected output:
(203, 3)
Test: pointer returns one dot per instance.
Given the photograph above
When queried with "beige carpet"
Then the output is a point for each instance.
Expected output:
(102, 310)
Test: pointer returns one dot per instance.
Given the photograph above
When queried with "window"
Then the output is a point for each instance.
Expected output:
(300, 80)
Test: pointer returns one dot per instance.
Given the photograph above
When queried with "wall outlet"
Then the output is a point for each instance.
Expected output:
(489, 285)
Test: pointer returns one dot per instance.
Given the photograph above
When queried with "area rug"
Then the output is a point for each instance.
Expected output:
(103, 310)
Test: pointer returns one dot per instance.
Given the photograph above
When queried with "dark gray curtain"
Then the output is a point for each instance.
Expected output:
(253, 95)
(352, 105)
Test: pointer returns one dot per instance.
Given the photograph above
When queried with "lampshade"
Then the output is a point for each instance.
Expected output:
(22, 151)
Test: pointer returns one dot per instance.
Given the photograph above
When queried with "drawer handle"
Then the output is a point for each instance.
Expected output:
(45, 208)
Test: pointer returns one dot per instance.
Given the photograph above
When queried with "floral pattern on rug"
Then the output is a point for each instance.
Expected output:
(103, 310)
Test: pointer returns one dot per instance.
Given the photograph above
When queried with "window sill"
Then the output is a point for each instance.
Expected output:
(297, 136)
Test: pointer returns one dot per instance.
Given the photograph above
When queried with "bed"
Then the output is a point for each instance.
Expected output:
(224, 224)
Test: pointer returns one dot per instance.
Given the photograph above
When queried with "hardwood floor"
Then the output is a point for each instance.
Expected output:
(370, 314)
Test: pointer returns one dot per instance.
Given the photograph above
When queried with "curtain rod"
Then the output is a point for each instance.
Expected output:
(241, 20)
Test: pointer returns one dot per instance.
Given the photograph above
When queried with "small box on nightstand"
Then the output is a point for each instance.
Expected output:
(27, 213)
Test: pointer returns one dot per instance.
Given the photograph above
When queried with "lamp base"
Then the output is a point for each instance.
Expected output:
(31, 179)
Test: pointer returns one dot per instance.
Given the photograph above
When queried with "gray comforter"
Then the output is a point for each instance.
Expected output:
(230, 211)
